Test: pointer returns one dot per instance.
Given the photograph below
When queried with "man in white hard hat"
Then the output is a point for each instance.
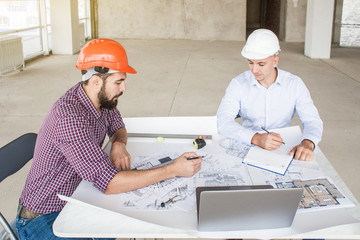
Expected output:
(267, 97)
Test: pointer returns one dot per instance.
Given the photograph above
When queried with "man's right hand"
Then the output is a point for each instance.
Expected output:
(125, 181)
(182, 167)
(268, 141)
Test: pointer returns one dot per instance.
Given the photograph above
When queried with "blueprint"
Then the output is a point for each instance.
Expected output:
(179, 193)
(235, 148)
(318, 193)
(216, 170)
(297, 169)
(153, 196)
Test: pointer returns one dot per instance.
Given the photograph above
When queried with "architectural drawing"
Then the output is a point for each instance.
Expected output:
(235, 148)
(317, 192)
(155, 196)
(179, 193)
(215, 172)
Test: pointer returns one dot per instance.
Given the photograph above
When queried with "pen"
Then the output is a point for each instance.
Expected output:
(192, 158)
(269, 133)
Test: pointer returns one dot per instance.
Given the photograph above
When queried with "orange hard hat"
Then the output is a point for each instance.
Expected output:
(104, 53)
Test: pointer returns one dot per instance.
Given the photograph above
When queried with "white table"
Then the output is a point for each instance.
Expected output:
(92, 217)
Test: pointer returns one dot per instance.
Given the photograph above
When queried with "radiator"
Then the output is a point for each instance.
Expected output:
(11, 54)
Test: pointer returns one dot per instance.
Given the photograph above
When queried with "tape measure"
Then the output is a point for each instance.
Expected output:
(199, 143)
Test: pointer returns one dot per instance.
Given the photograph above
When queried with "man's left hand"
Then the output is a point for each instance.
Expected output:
(119, 156)
(304, 151)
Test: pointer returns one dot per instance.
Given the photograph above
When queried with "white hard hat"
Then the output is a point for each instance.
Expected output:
(261, 44)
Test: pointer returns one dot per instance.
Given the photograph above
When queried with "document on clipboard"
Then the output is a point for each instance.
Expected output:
(279, 160)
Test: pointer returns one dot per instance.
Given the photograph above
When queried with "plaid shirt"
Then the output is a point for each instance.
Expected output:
(68, 149)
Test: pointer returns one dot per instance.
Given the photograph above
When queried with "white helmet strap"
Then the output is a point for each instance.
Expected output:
(92, 71)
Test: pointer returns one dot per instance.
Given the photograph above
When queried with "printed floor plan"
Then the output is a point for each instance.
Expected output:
(317, 192)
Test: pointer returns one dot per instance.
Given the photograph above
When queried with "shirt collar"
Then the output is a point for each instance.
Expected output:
(278, 80)
(85, 100)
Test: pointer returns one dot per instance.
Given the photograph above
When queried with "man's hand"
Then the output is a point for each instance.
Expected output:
(304, 151)
(119, 156)
(186, 168)
(125, 181)
(268, 141)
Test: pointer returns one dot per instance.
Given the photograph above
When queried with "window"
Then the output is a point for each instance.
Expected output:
(30, 20)
(85, 17)
(4, 21)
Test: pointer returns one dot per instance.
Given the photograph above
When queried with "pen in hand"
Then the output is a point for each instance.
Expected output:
(269, 133)
(192, 158)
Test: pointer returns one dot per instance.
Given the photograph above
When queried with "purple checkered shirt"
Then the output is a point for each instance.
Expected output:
(68, 149)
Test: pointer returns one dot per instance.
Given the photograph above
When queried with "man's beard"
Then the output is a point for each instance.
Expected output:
(105, 102)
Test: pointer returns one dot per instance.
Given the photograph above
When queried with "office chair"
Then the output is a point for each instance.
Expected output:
(13, 156)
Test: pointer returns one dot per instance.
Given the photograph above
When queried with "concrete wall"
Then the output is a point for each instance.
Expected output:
(350, 24)
(295, 20)
(189, 19)
(337, 21)
(175, 19)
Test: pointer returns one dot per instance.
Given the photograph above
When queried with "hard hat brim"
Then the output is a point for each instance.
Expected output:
(128, 69)
(249, 54)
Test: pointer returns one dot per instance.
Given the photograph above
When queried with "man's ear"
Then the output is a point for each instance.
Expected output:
(96, 81)
(276, 61)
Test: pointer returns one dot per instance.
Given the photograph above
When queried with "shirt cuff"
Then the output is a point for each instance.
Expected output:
(310, 141)
(312, 138)
(247, 135)
(105, 176)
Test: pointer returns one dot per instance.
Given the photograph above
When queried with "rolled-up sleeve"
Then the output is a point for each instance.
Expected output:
(115, 122)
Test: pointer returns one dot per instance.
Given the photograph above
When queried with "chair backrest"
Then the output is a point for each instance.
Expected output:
(13, 156)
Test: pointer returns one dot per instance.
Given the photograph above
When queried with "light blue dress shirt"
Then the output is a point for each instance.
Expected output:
(269, 108)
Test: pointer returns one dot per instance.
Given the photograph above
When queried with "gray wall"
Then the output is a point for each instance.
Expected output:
(207, 19)
(175, 19)
(337, 21)
(350, 24)
(295, 20)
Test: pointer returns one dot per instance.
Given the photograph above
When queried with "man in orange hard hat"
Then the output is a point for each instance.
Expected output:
(267, 97)
(69, 144)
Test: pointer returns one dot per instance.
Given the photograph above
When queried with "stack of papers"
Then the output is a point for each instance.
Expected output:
(279, 160)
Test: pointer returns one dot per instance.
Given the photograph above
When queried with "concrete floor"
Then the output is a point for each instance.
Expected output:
(188, 78)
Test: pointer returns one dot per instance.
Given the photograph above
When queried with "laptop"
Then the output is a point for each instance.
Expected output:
(235, 208)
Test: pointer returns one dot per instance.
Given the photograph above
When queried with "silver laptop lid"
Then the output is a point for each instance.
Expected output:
(232, 210)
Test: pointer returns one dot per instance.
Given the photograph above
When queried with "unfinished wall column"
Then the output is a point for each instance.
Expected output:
(319, 20)
(65, 26)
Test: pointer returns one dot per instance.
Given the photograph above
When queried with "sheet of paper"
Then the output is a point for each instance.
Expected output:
(278, 160)
(179, 193)
(319, 194)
